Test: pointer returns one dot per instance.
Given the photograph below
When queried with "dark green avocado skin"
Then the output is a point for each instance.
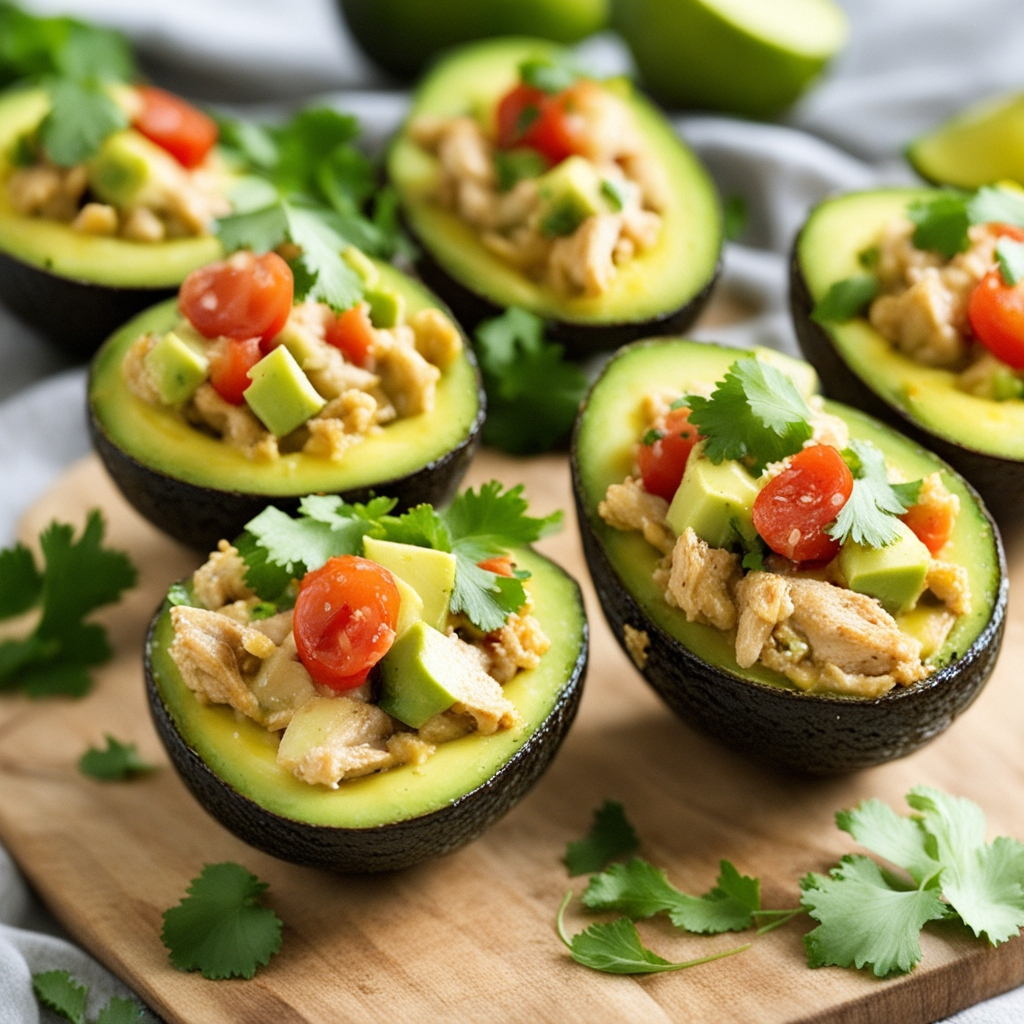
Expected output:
(75, 315)
(999, 481)
(388, 847)
(579, 340)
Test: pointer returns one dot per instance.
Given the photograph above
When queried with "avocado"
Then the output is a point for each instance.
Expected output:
(658, 291)
(362, 265)
(570, 193)
(280, 394)
(693, 666)
(716, 501)
(128, 169)
(75, 288)
(410, 606)
(198, 489)
(894, 574)
(387, 307)
(429, 572)
(982, 438)
(301, 344)
(177, 368)
(396, 818)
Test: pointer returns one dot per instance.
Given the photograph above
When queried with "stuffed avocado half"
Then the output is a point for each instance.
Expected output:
(200, 433)
(83, 248)
(906, 347)
(687, 609)
(528, 185)
(445, 722)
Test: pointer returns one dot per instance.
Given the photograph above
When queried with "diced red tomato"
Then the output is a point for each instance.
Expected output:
(996, 313)
(1008, 231)
(344, 620)
(793, 508)
(175, 125)
(516, 113)
(931, 524)
(663, 461)
(501, 565)
(244, 296)
(230, 365)
(556, 126)
(352, 333)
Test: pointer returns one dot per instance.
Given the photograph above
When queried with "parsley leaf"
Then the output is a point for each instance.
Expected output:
(59, 992)
(78, 578)
(610, 836)
(616, 948)
(869, 516)
(117, 762)
(1010, 256)
(755, 415)
(533, 392)
(845, 299)
(864, 920)
(219, 927)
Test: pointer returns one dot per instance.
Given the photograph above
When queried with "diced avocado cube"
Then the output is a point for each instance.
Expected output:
(176, 368)
(387, 307)
(325, 722)
(410, 608)
(362, 265)
(280, 394)
(716, 501)
(425, 673)
(569, 194)
(129, 168)
(429, 572)
(301, 343)
(894, 575)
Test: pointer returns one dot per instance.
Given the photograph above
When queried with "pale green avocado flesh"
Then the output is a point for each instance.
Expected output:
(243, 754)
(612, 423)
(161, 439)
(55, 247)
(827, 251)
(651, 285)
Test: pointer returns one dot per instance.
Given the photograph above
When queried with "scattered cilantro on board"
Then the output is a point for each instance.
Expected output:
(219, 928)
(77, 577)
(117, 762)
(611, 835)
(59, 992)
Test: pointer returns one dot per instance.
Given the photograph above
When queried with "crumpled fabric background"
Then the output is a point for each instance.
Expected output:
(909, 64)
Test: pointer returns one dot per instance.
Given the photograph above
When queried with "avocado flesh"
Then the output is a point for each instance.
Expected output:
(160, 438)
(54, 247)
(650, 286)
(826, 252)
(242, 754)
(611, 424)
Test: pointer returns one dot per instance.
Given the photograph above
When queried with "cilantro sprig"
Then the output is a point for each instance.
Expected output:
(611, 835)
(941, 222)
(533, 392)
(77, 578)
(755, 415)
(60, 992)
(115, 763)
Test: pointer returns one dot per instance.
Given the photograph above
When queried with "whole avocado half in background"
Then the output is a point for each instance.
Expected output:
(748, 57)
(403, 36)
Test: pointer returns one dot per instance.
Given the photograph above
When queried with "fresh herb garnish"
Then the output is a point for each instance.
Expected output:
(941, 222)
(548, 75)
(845, 299)
(869, 516)
(514, 165)
(611, 835)
(870, 257)
(77, 578)
(652, 437)
(735, 217)
(59, 992)
(533, 392)
(1010, 256)
(755, 415)
(219, 928)
(615, 192)
(560, 221)
(117, 762)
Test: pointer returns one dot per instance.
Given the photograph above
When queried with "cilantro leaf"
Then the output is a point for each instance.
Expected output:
(121, 1011)
(497, 518)
(616, 948)
(268, 579)
(870, 514)
(995, 204)
(78, 578)
(97, 53)
(484, 597)
(219, 927)
(421, 526)
(21, 584)
(735, 217)
(845, 299)
(1010, 256)
(59, 992)
(755, 415)
(941, 223)
(513, 165)
(610, 836)
(81, 116)
(533, 393)
(260, 230)
(117, 762)
(863, 920)
(326, 276)
(899, 840)
(548, 75)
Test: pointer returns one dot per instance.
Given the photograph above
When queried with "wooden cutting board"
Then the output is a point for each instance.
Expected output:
(471, 937)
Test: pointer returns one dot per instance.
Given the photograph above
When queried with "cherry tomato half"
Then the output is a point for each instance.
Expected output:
(352, 333)
(996, 312)
(556, 126)
(344, 620)
(793, 508)
(176, 126)
(663, 461)
(931, 524)
(230, 365)
(244, 296)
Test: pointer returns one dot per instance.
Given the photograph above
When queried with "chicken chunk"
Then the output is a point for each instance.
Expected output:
(220, 580)
(479, 695)
(763, 601)
(583, 261)
(701, 581)
(951, 585)
(627, 506)
(519, 644)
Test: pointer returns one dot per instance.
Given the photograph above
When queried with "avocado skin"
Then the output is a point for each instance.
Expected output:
(999, 481)
(75, 315)
(201, 516)
(579, 340)
(389, 847)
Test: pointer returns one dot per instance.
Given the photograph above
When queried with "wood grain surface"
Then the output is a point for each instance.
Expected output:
(471, 937)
